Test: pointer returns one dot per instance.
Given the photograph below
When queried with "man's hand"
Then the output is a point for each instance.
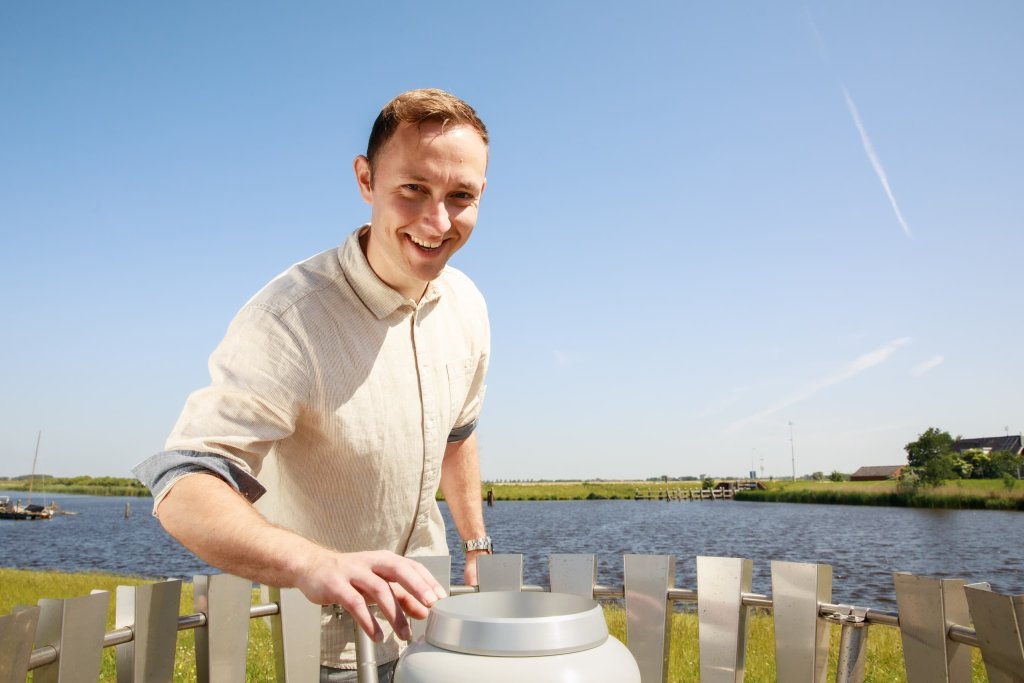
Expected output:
(397, 585)
(235, 538)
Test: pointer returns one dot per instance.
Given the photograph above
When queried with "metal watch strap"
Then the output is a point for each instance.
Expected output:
(483, 543)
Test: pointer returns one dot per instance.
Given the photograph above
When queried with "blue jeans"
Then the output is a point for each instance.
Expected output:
(385, 674)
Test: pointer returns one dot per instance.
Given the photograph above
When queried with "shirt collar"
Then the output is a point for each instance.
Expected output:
(371, 290)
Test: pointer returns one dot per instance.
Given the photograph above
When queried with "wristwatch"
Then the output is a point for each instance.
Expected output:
(478, 544)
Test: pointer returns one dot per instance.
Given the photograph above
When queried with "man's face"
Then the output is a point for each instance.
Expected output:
(424, 193)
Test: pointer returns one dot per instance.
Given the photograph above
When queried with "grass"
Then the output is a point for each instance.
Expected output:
(88, 486)
(579, 490)
(884, 659)
(22, 587)
(978, 494)
(959, 494)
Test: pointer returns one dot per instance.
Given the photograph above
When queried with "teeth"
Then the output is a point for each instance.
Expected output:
(424, 243)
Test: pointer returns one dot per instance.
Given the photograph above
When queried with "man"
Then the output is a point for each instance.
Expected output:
(344, 393)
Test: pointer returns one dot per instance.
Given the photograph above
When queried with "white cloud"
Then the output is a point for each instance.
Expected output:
(869, 149)
(847, 372)
(933, 362)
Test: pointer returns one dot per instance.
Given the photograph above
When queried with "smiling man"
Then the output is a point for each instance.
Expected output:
(345, 393)
(424, 190)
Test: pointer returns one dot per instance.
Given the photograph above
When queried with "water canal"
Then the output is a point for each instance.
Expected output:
(865, 545)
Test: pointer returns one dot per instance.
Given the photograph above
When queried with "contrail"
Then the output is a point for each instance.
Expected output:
(869, 149)
(921, 368)
(849, 371)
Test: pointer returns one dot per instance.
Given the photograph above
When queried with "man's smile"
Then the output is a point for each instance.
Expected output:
(424, 244)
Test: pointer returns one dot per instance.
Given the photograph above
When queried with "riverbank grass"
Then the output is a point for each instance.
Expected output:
(22, 587)
(961, 494)
(884, 662)
(966, 494)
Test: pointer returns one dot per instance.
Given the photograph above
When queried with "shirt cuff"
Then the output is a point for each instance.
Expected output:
(462, 433)
(159, 472)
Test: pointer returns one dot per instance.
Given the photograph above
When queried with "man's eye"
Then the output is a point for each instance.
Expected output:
(412, 186)
(464, 196)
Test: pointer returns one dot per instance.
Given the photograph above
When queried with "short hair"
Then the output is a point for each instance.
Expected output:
(416, 107)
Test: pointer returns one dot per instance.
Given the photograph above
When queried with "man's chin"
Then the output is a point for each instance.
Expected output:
(429, 275)
(431, 267)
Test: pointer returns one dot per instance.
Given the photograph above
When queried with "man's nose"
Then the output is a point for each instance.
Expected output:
(437, 218)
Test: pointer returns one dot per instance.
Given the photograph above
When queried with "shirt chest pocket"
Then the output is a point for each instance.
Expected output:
(460, 383)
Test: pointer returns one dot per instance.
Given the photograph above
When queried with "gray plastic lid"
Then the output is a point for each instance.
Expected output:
(514, 624)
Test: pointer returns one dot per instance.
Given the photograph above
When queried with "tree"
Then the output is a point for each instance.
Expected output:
(933, 460)
(929, 446)
(838, 476)
(938, 469)
(977, 464)
(1003, 463)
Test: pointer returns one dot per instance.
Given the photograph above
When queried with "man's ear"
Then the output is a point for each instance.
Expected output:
(364, 178)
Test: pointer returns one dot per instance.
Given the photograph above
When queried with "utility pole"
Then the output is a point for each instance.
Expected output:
(792, 449)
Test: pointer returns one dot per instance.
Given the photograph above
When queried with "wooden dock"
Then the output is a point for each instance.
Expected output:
(681, 494)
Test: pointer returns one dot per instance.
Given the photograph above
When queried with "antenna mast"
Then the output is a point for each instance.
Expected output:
(34, 458)
(792, 449)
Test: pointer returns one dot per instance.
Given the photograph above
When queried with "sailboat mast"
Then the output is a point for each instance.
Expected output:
(34, 459)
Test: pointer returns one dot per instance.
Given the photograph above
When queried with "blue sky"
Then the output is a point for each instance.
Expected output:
(703, 221)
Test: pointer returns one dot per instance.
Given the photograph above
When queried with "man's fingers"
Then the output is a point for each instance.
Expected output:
(354, 603)
(410, 605)
(430, 580)
(379, 592)
(397, 585)
(412, 576)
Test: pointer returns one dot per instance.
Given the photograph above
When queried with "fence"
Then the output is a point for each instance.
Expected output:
(61, 641)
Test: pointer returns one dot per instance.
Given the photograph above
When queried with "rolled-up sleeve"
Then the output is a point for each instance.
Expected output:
(259, 383)
(161, 471)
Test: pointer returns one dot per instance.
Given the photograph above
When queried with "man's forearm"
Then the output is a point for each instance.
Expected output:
(212, 520)
(460, 484)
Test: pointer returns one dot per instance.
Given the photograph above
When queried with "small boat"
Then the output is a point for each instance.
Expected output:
(9, 510)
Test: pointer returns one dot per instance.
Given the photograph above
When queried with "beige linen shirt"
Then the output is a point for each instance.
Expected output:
(339, 394)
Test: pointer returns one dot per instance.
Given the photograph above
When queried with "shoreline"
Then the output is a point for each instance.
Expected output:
(971, 494)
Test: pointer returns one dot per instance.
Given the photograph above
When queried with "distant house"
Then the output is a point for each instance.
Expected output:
(990, 444)
(877, 473)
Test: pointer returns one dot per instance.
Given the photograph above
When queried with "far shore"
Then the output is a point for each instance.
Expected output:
(956, 494)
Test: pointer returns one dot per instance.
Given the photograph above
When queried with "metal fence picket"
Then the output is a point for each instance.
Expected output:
(722, 617)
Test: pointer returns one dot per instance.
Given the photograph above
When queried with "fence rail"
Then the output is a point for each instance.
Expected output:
(940, 620)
